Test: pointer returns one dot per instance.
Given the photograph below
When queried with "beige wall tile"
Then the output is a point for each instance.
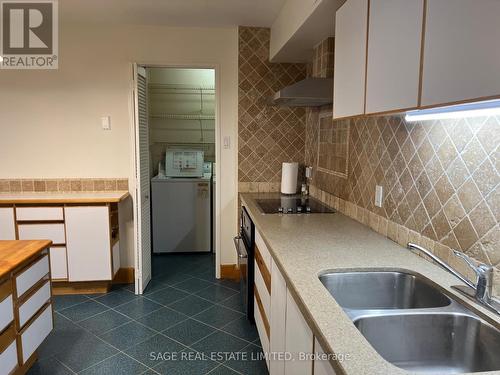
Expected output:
(267, 135)
(243, 187)
(76, 185)
(27, 185)
(87, 185)
(4, 186)
(392, 231)
(15, 186)
(402, 235)
(99, 185)
(64, 185)
(122, 184)
(40, 186)
(52, 185)
(482, 219)
(110, 185)
(253, 187)
(439, 179)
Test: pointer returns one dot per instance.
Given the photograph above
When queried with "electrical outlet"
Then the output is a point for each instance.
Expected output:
(309, 172)
(379, 195)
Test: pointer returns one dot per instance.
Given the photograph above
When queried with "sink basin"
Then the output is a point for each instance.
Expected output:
(375, 290)
(439, 343)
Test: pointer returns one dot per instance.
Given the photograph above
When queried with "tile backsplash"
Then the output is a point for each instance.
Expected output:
(267, 136)
(62, 185)
(440, 178)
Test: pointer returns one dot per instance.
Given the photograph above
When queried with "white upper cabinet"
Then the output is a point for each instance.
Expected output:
(351, 24)
(461, 54)
(394, 46)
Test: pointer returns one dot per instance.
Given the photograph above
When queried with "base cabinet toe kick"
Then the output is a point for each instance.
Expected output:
(26, 313)
(288, 342)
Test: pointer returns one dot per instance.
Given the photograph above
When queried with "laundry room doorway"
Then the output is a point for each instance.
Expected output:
(176, 151)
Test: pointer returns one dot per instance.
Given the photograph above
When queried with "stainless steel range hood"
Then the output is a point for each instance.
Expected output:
(310, 92)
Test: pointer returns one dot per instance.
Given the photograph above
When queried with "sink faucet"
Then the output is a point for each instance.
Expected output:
(482, 291)
(484, 284)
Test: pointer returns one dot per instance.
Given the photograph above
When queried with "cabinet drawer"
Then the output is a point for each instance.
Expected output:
(39, 213)
(259, 322)
(31, 275)
(53, 232)
(36, 332)
(263, 292)
(58, 263)
(266, 255)
(34, 303)
(6, 312)
(8, 358)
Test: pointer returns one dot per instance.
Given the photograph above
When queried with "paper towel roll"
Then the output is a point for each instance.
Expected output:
(289, 173)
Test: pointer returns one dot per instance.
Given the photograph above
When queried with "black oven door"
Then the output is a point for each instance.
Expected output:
(242, 253)
(245, 243)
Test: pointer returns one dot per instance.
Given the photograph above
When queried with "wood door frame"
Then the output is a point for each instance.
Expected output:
(218, 144)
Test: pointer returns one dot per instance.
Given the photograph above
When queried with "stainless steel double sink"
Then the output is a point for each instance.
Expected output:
(414, 325)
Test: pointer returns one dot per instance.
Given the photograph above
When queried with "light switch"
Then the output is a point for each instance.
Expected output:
(227, 142)
(106, 122)
(379, 195)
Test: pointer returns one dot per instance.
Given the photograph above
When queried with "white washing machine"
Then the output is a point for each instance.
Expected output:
(181, 210)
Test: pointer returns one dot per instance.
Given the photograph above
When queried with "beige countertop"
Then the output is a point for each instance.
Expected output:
(305, 246)
(63, 197)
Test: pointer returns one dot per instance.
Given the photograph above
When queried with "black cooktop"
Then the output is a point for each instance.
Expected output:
(293, 205)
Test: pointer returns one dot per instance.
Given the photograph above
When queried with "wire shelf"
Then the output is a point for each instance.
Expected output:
(174, 116)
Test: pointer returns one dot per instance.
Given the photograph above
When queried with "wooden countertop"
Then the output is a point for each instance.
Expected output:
(15, 253)
(61, 197)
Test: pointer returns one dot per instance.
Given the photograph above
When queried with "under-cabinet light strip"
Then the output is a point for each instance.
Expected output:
(486, 108)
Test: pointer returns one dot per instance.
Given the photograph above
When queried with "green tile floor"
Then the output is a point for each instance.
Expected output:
(187, 322)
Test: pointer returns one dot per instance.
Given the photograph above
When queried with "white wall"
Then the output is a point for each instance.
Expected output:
(49, 120)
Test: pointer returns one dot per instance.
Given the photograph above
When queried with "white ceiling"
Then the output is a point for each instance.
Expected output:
(187, 13)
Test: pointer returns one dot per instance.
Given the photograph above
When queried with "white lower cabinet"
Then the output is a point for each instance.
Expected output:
(32, 274)
(26, 316)
(6, 312)
(8, 359)
(261, 329)
(34, 303)
(7, 224)
(58, 263)
(321, 364)
(290, 345)
(277, 321)
(52, 232)
(88, 243)
(298, 340)
(36, 332)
